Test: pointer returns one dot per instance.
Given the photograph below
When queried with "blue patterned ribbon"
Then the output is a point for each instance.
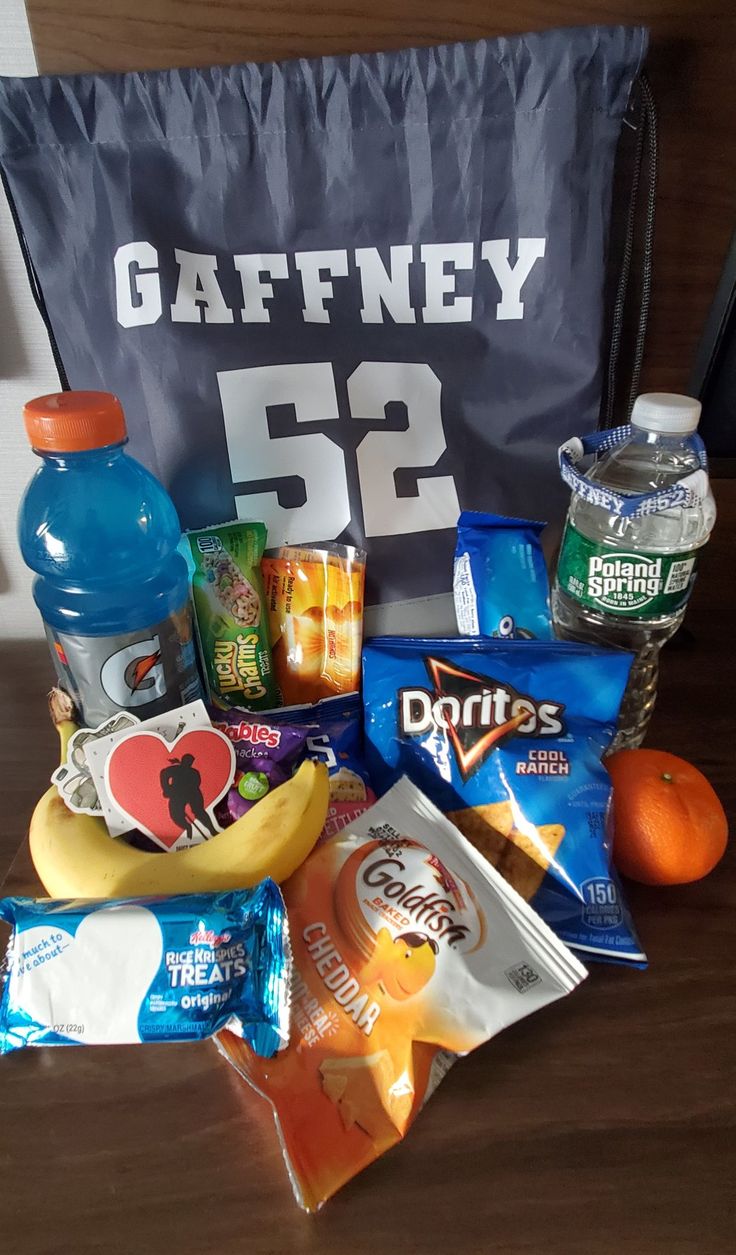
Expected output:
(688, 491)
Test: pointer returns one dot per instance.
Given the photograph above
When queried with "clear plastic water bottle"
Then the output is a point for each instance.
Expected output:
(635, 524)
(101, 534)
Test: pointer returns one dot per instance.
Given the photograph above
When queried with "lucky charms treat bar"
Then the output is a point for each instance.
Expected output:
(407, 945)
(232, 623)
(507, 737)
(147, 970)
(315, 605)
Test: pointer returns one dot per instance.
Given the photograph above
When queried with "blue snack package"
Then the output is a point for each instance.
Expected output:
(500, 583)
(147, 970)
(334, 736)
(507, 737)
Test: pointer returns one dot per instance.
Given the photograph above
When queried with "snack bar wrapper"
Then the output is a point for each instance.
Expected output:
(230, 612)
(500, 581)
(334, 736)
(409, 949)
(103, 973)
(315, 606)
(507, 739)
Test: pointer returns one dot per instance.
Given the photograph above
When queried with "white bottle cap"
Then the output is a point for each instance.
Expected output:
(666, 411)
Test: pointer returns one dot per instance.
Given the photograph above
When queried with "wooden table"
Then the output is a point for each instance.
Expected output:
(604, 1125)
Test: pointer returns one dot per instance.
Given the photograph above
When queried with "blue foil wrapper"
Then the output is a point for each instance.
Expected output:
(507, 738)
(147, 970)
(500, 581)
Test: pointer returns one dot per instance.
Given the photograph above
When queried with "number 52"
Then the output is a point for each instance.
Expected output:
(309, 387)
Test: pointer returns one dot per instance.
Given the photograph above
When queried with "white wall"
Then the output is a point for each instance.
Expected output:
(26, 368)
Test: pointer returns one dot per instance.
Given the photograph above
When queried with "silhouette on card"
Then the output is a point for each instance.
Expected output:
(181, 784)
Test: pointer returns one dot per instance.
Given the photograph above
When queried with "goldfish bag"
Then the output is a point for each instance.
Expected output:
(500, 582)
(409, 949)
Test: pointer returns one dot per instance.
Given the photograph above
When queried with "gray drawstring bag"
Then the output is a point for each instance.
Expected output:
(349, 296)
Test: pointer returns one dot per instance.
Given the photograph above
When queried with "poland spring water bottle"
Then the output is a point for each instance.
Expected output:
(101, 534)
(636, 521)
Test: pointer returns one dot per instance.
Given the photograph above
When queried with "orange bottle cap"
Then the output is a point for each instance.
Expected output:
(69, 422)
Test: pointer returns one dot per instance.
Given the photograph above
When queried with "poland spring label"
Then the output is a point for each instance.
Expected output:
(640, 585)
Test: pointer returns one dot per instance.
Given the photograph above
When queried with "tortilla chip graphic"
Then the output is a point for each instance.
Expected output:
(366, 1093)
(522, 858)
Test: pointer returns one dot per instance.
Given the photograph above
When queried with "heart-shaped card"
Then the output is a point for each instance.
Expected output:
(168, 788)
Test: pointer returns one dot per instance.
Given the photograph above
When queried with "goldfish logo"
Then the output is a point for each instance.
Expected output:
(134, 675)
(401, 965)
(401, 914)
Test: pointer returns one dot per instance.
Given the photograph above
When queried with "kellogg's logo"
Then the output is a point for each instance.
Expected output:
(208, 937)
(475, 712)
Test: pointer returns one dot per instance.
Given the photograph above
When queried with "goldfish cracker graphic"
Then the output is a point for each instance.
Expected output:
(407, 945)
(401, 965)
(315, 604)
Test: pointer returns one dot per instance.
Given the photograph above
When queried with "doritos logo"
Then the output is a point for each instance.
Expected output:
(475, 713)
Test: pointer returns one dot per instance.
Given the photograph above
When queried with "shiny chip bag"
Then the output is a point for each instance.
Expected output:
(500, 582)
(315, 607)
(409, 949)
(507, 738)
(266, 755)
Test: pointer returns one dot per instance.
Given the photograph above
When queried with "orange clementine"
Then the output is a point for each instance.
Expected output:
(669, 826)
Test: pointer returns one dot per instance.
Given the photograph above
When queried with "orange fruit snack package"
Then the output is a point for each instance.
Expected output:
(409, 949)
(315, 606)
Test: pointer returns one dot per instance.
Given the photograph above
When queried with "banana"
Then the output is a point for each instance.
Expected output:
(75, 857)
(62, 711)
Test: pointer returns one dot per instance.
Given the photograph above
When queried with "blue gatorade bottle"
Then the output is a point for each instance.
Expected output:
(101, 534)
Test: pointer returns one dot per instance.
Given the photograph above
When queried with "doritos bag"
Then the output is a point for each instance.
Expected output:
(347, 296)
(506, 737)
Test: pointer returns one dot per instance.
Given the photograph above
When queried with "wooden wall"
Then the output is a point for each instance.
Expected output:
(692, 67)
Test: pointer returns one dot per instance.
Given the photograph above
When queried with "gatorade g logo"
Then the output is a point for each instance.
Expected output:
(475, 712)
(134, 675)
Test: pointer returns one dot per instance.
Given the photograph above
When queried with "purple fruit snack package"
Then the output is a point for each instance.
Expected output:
(266, 756)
